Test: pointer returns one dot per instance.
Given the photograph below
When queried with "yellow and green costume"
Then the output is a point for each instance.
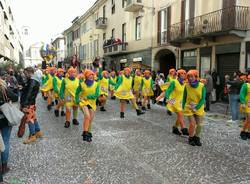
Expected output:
(57, 82)
(137, 83)
(113, 80)
(147, 87)
(87, 95)
(245, 97)
(174, 94)
(193, 99)
(68, 91)
(123, 88)
(165, 86)
(47, 84)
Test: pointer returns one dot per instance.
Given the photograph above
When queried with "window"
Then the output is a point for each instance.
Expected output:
(124, 3)
(104, 36)
(113, 33)
(124, 34)
(96, 49)
(189, 59)
(26, 32)
(205, 59)
(162, 27)
(163, 20)
(113, 7)
(96, 16)
(138, 28)
(84, 28)
(76, 34)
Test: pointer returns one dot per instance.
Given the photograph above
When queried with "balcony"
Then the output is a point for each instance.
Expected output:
(232, 20)
(115, 49)
(133, 5)
(101, 23)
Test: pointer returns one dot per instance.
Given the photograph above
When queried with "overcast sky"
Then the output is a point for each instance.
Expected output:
(47, 18)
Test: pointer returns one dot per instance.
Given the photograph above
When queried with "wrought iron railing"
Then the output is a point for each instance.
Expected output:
(232, 18)
(114, 48)
(101, 21)
(129, 2)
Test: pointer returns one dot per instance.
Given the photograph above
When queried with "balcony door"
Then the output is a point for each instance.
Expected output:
(187, 15)
(228, 10)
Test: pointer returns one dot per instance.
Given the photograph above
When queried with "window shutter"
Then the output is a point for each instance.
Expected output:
(159, 28)
(168, 23)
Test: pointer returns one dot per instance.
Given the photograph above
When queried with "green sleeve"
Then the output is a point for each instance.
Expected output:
(170, 89)
(142, 84)
(62, 89)
(243, 93)
(119, 82)
(96, 95)
(78, 91)
(45, 79)
(167, 80)
(100, 74)
(133, 74)
(184, 98)
(55, 87)
(152, 84)
(111, 82)
(202, 100)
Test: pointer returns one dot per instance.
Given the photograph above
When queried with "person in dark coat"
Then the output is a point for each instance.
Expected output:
(28, 105)
(5, 128)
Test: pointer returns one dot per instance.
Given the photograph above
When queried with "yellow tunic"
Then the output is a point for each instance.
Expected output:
(114, 80)
(147, 88)
(88, 90)
(124, 91)
(104, 86)
(176, 97)
(48, 86)
(165, 86)
(59, 83)
(137, 83)
(70, 91)
(193, 97)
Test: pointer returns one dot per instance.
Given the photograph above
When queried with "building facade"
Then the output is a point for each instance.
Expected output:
(119, 33)
(209, 35)
(33, 56)
(11, 47)
(59, 45)
(164, 34)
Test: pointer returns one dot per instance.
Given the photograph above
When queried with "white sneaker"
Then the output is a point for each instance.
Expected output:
(231, 121)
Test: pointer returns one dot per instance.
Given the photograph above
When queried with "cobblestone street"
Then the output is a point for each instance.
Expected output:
(136, 150)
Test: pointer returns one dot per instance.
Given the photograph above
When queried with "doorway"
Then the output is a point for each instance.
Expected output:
(166, 60)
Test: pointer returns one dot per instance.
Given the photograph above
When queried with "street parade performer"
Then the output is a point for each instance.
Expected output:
(123, 91)
(57, 82)
(147, 89)
(245, 106)
(67, 93)
(193, 104)
(174, 99)
(137, 86)
(87, 93)
(47, 86)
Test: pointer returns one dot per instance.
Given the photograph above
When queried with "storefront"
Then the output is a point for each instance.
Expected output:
(205, 60)
(189, 58)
